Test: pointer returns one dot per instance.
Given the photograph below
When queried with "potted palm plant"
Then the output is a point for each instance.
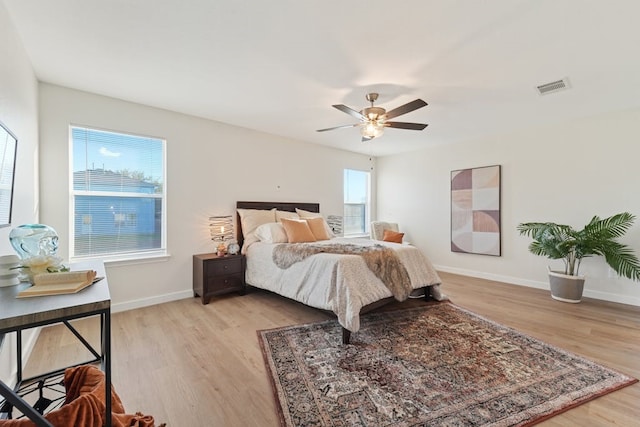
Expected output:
(598, 237)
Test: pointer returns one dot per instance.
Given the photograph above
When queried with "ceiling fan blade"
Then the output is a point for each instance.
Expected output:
(405, 125)
(406, 108)
(338, 127)
(350, 111)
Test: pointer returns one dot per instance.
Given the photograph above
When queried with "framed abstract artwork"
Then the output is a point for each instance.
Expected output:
(475, 210)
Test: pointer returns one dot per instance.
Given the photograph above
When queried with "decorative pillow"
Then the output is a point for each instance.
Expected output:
(306, 215)
(286, 214)
(317, 226)
(378, 227)
(271, 232)
(251, 219)
(392, 236)
(297, 230)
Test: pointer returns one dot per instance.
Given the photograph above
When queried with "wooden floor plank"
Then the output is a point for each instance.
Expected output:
(200, 365)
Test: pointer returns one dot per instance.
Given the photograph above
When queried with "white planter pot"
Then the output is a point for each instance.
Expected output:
(566, 288)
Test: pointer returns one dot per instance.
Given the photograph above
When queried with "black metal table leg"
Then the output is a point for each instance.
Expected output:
(23, 406)
(106, 363)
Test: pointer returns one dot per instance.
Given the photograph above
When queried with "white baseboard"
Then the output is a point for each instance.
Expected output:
(605, 296)
(145, 302)
(29, 339)
(491, 276)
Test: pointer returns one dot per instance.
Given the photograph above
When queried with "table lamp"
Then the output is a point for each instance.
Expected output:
(221, 228)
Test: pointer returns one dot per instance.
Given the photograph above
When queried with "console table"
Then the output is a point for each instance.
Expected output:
(18, 314)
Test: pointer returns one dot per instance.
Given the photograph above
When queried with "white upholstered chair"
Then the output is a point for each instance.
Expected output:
(378, 227)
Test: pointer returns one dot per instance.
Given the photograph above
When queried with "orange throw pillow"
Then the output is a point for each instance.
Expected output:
(298, 231)
(392, 236)
(318, 228)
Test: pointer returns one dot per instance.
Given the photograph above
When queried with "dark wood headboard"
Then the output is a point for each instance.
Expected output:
(281, 206)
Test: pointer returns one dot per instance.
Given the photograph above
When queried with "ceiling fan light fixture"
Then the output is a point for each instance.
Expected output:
(372, 129)
(373, 113)
(373, 120)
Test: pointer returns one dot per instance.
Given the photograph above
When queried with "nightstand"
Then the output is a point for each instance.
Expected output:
(214, 275)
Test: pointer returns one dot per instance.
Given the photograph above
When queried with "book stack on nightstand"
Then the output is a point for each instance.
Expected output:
(217, 275)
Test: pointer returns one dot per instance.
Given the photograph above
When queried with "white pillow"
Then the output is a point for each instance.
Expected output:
(272, 232)
(251, 219)
(286, 214)
(306, 214)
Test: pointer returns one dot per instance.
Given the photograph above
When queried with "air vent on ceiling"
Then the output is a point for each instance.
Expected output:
(552, 87)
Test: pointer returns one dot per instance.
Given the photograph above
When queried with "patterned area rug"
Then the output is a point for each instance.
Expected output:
(437, 365)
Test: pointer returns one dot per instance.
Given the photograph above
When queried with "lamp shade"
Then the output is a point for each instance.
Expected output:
(221, 228)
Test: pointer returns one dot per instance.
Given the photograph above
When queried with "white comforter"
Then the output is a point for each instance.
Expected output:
(340, 283)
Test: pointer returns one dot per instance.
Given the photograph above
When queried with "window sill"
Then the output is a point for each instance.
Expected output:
(123, 260)
(358, 236)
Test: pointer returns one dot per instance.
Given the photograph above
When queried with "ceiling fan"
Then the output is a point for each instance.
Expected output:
(373, 120)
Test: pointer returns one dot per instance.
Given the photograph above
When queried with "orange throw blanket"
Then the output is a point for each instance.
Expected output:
(85, 404)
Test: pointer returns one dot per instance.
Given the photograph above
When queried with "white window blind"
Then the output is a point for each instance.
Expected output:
(118, 194)
(356, 202)
(8, 143)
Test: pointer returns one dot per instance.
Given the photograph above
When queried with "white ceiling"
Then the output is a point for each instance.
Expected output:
(277, 66)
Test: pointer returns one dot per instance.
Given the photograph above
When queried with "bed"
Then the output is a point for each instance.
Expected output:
(344, 276)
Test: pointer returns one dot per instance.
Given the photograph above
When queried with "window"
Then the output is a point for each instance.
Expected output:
(356, 202)
(117, 194)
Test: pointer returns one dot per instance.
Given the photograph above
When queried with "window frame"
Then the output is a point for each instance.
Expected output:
(124, 257)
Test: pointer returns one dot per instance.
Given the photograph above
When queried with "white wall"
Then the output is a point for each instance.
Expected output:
(19, 112)
(564, 173)
(210, 166)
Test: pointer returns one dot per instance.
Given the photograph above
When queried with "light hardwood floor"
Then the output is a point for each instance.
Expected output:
(193, 365)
